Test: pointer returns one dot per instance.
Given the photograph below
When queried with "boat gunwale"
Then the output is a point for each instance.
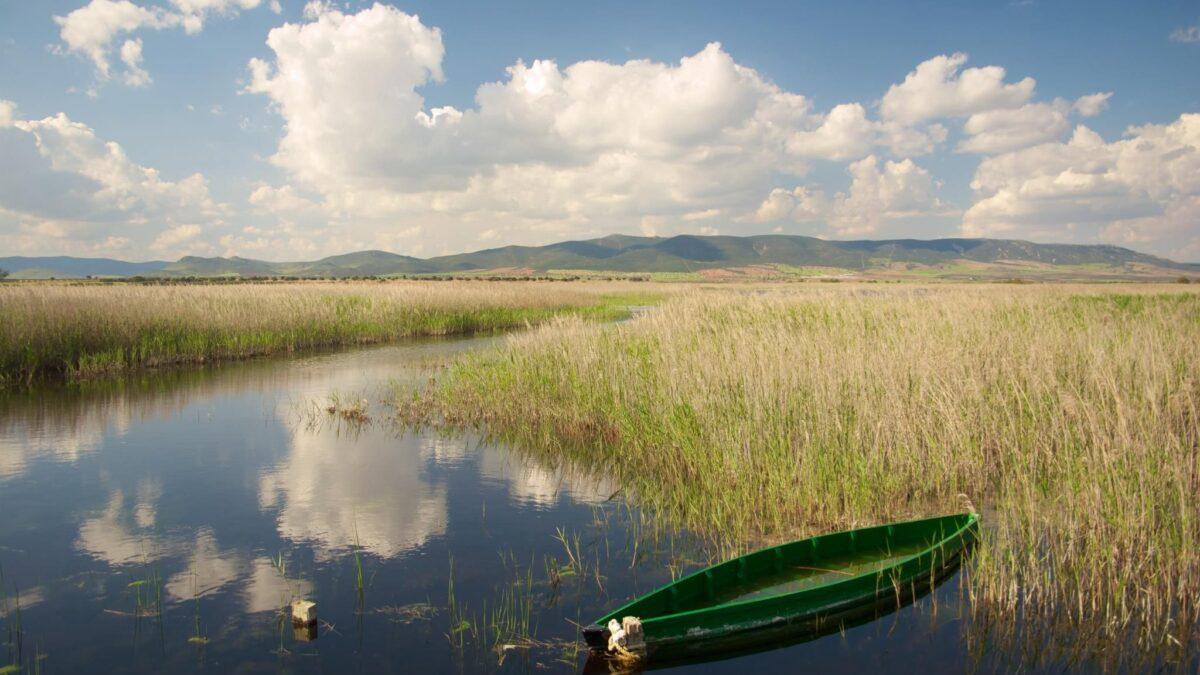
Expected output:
(971, 521)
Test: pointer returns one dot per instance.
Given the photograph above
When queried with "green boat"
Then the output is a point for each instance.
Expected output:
(816, 583)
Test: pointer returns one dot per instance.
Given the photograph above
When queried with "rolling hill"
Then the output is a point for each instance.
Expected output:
(66, 267)
(705, 255)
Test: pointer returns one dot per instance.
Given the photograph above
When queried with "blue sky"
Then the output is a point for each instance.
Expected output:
(799, 121)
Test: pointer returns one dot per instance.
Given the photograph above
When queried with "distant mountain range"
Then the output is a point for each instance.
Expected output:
(66, 267)
(710, 256)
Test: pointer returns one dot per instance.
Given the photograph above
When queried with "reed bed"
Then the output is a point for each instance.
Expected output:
(1068, 415)
(79, 331)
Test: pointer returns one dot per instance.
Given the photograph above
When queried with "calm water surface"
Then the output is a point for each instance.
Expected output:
(161, 523)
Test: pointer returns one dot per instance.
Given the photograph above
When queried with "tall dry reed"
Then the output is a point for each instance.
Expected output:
(83, 330)
(1069, 414)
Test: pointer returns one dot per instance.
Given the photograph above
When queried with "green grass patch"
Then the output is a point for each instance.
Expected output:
(80, 332)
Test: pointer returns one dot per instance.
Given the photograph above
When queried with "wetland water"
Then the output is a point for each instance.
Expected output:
(161, 523)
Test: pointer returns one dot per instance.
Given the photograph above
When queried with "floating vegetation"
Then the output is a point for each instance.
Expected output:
(343, 413)
(417, 612)
(353, 410)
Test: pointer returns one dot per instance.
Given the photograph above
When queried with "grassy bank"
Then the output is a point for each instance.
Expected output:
(79, 331)
(1068, 415)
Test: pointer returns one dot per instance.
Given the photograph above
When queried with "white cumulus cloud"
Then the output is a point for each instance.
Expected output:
(370, 157)
(548, 151)
(91, 30)
(1092, 104)
(1007, 129)
(172, 238)
(939, 87)
(844, 133)
(131, 56)
(62, 187)
(877, 194)
(1142, 190)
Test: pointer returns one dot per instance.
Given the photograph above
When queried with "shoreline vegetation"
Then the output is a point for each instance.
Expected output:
(81, 331)
(1070, 415)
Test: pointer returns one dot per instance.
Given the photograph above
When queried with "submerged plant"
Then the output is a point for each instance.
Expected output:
(198, 636)
(14, 633)
(504, 622)
(147, 593)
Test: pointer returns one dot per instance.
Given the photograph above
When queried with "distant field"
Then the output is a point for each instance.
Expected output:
(1070, 415)
(83, 330)
(884, 271)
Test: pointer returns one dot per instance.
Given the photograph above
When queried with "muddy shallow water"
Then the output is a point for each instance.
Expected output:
(162, 522)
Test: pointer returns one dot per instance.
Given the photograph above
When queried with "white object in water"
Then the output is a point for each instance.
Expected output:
(304, 612)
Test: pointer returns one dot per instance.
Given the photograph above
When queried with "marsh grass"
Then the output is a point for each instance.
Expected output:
(82, 331)
(1070, 414)
(505, 622)
(199, 636)
(14, 632)
(147, 594)
(534, 610)
(350, 409)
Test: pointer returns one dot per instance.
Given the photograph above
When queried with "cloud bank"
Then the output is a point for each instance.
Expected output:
(368, 158)
(1138, 191)
(65, 190)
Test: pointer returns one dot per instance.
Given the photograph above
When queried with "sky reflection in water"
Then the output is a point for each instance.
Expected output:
(213, 485)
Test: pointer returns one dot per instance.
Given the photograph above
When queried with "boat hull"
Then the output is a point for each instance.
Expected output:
(687, 613)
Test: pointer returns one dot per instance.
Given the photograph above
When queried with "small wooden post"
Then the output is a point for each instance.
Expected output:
(304, 612)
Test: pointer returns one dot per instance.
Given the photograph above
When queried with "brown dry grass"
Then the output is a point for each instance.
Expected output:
(1069, 413)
